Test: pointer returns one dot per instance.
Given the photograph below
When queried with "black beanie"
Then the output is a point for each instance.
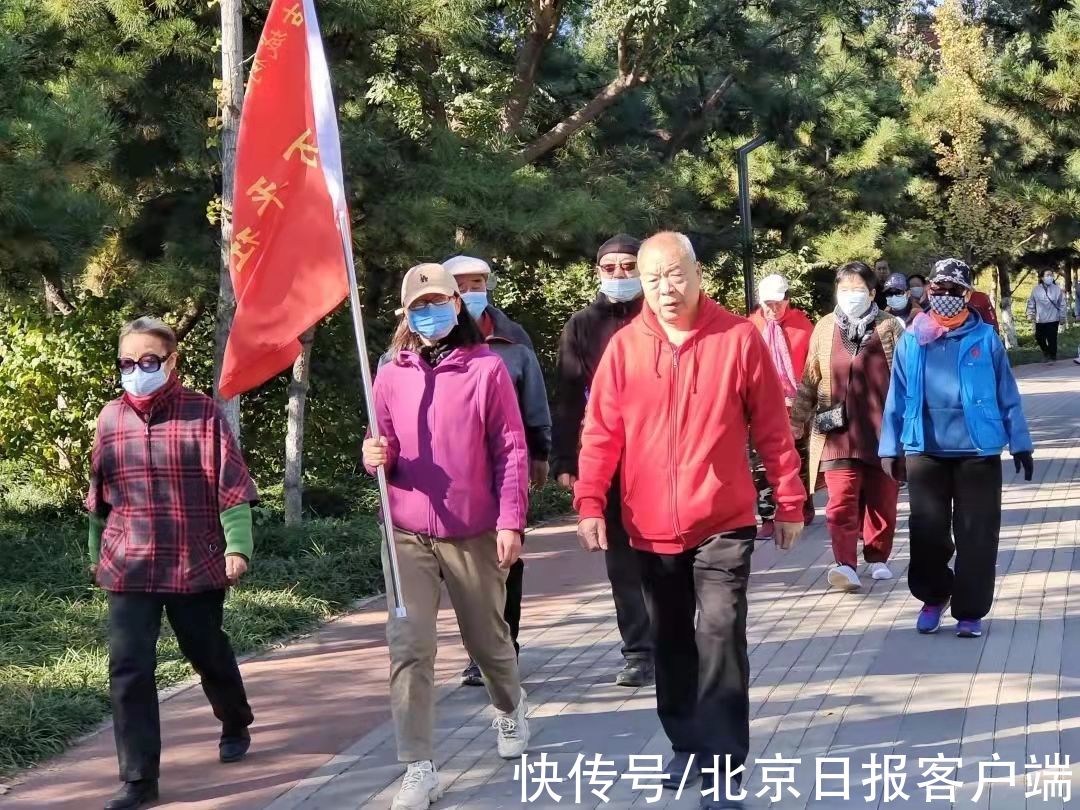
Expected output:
(620, 243)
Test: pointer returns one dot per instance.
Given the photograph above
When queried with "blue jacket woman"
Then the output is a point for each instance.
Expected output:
(953, 406)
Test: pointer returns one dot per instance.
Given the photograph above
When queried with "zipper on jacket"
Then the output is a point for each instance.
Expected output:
(431, 506)
(149, 487)
(673, 439)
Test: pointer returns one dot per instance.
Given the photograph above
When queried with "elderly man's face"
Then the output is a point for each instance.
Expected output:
(774, 310)
(671, 281)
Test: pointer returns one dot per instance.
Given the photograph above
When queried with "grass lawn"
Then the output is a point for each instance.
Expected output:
(53, 655)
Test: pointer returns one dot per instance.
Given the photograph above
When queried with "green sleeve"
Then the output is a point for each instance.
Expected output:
(93, 543)
(237, 525)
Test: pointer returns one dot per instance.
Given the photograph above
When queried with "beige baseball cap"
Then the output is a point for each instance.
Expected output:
(425, 279)
(772, 288)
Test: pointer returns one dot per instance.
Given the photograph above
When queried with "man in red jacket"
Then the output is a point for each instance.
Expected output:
(676, 397)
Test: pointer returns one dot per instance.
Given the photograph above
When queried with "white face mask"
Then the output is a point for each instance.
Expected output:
(853, 303)
(897, 301)
(1048, 278)
(141, 383)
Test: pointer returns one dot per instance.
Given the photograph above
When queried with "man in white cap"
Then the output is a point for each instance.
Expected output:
(510, 341)
(787, 334)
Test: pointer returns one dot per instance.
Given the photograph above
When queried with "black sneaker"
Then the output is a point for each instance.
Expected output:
(234, 747)
(677, 775)
(636, 674)
(470, 676)
(133, 795)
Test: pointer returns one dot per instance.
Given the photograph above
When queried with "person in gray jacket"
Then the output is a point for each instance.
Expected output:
(510, 341)
(1046, 308)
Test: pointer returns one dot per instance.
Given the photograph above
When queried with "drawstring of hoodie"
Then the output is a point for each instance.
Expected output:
(694, 373)
(656, 357)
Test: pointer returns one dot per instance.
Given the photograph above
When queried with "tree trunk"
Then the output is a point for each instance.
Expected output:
(545, 22)
(232, 99)
(55, 297)
(294, 433)
(189, 319)
(1008, 328)
(562, 132)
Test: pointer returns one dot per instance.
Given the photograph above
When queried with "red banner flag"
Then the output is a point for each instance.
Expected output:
(286, 258)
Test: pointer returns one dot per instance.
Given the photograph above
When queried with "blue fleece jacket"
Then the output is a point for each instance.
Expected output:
(953, 397)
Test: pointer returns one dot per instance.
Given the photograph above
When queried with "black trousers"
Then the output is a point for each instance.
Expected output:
(702, 672)
(624, 574)
(955, 508)
(134, 625)
(766, 504)
(1046, 335)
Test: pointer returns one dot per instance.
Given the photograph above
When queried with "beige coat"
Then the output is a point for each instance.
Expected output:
(815, 391)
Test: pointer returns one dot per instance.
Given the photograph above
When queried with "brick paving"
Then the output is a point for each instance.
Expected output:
(833, 675)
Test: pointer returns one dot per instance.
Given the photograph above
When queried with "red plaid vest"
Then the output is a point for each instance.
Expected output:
(161, 482)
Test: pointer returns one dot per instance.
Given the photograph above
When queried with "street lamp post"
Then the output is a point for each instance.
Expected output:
(742, 155)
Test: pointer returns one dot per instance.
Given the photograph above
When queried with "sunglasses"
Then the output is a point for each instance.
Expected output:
(148, 363)
(625, 266)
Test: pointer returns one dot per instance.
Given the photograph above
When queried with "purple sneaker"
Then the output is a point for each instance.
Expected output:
(930, 618)
(969, 628)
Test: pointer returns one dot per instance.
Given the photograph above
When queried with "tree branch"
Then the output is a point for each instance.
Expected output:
(630, 77)
(428, 63)
(693, 127)
(190, 317)
(546, 15)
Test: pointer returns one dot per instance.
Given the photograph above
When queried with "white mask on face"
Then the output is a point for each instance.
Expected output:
(1048, 278)
(853, 303)
(141, 383)
(897, 301)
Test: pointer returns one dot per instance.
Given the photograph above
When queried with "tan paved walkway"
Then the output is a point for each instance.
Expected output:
(833, 675)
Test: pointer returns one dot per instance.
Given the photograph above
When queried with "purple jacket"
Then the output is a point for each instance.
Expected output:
(458, 461)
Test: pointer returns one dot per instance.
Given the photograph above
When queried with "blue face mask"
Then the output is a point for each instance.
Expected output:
(621, 289)
(476, 303)
(433, 321)
(141, 383)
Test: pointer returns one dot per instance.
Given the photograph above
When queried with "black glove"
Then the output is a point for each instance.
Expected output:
(1026, 461)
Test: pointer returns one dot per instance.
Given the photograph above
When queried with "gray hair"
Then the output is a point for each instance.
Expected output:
(151, 326)
(686, 248)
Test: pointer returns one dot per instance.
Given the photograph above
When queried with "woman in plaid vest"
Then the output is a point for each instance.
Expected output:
(170, 529)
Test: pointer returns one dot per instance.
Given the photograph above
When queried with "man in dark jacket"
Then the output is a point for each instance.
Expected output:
(583, 341)
(512, 343)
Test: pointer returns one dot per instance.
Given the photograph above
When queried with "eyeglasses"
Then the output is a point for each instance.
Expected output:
(148, 363)
(627, 267)
(429, 300)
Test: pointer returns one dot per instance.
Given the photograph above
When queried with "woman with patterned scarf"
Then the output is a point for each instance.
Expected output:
(842, 399)
(952, 408)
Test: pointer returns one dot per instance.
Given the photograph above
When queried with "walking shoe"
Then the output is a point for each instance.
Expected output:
(470, 676)
(676, 768)
(767, 530)
(419, 787)
(635, 674)
(709, 803)
(133, 795)
(969, 628)
(513, 730)
(234, 747)
(809, 512)
(930, 618)
(879, 570)
(844, 578)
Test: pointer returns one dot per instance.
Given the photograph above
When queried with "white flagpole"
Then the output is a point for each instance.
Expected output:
(373, 424)
(329, 142)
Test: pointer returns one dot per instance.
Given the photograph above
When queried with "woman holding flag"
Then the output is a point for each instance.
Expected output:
(453, 448)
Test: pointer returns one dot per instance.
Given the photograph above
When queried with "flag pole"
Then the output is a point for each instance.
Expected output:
(373, 424)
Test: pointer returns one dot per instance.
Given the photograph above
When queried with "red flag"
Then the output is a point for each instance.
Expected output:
(287, 263)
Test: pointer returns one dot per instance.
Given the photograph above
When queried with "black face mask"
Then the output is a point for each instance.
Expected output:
(947, 305)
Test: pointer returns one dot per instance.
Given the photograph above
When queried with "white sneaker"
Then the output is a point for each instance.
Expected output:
(513, 730)
(419, 787)
(844, 578)
(879, 570)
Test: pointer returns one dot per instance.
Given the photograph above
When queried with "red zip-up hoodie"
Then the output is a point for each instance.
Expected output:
(678, 419)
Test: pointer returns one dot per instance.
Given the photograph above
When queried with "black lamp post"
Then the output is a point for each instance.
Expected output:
(742, 154)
